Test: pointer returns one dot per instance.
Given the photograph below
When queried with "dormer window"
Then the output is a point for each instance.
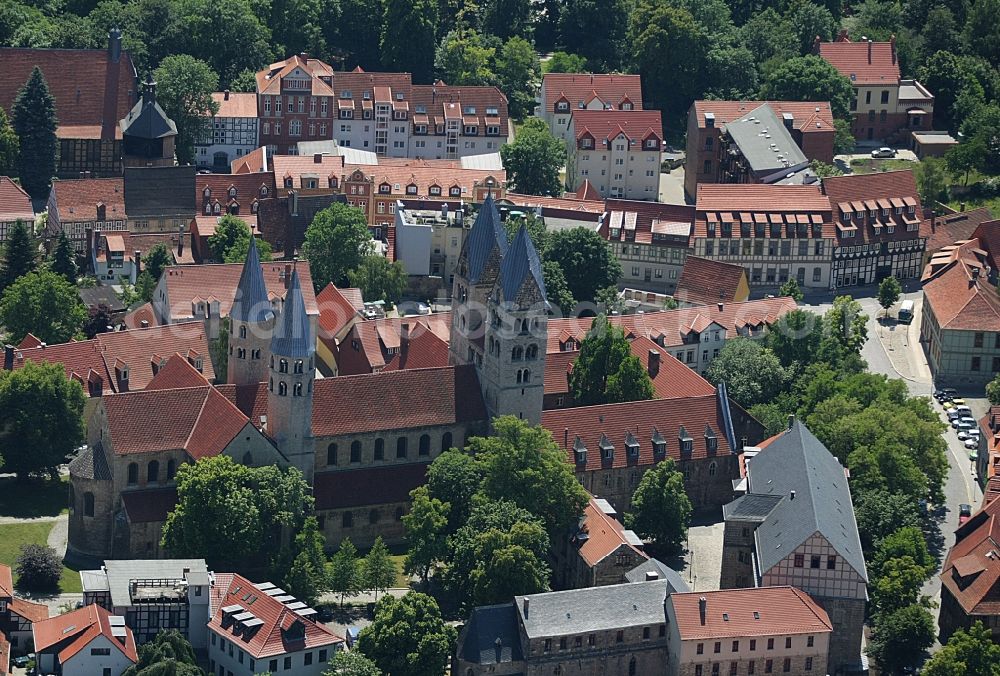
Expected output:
(232, 191)
(345, 94)
(207, 192)
(631, 446)
(411, 189)
(384, 188)
(263, 191)
(254, 206)
(469, 110)
(580, 451)
(208, 209)
(434, 190)
(659, 445)
(652, 144)
(455, 191)
(217, 208)
(711, 441)
(607, 449)
(288, 181)
(686, 442)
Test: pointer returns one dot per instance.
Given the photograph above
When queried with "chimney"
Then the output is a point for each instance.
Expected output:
(702, 608)
(304, 56)
(789, 121)
(721, 306)
(115, 45)
(652, 575)
(527, 602)
(791, 420)
(654, 363)
(933, 221)
(974, 281)
(102, 212)
(180, 241)
(318, 158)
(8, 357)
(225, 95)
(288, 274)
(791, 495)
(144, 324)
(892, 47)
(869, 51)
(137, 262)
(294, 195)
(566, 437)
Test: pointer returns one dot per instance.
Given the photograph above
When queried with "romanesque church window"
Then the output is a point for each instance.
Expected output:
(445, 441)
(355, 451)
(379, 449)
(153, 472)
(331, 454)
(88, 504)
(425, 444)
(401, 447)
(133, 473)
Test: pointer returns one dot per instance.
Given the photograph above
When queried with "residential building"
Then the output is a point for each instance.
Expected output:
(775, 232)
(988, 454)
(257, 628)
(810, 124)
(650, 240)
(793, 524)
(601, 551)
(955, 226)
(564, 93)
(767, 630)
(84, 642)
(148, 135)
(17, 615)
(960, 327)
(704, 281)
(429, 241)
(159, 198)
(233, 132)
(558, 213)
(109, 259)
(153, 595)
(102, 300)
(15, 205)
(237, 194)
(94, 204)
(759, 148)
(618, 151)
(117, 256)
(881, 229)
(971, 575)
(92, 88)
(884, 107)
(339, 309)
(393, 344)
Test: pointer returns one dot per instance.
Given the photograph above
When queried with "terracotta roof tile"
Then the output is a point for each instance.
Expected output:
(988, 234)
(951, 228)
(957, 291)
(445, 100)
(423, 175)
(143, 313)
(337, 308)
(637, 125)
(971, 570)
(150, 505)
(361, 487)
(734, 613)
(143, 242)
(14, 202)
(605, 535)
(177, 372)
(805, 114)
(755, 202)
(29, 610)
(68, 634)
(706, 281)
(6, 581)
(874, 191)
(852, 60)
(570, 204)
(577, 87)
(645, 222)
(249, 187)
(295, 166)
(378, 344)
(236, 104)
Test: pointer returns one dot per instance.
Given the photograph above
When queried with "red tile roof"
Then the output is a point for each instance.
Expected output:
(394, 344)
(605, 535)
(670, 326)
(988, 234)
(150, 505)
(337, 308)
(646, 222)
(758, 203)
(423, 174)
(91, 92)
(236, 104)
(70, 633)
(951, 228)
(554, 205)
(269, 79)
(864, 63)
(576, 87)
(295, 166)
(867, 192)
(29, 610)
(373, 485)
(249, 188)
(587, 191)
(957, 291)
(637, 125)
(76, 200)
(6, 581)
(270, 638)
(992, 489)
(805, 114)
(15, 203)
(4, 655)
(641, 421)
(442, 101)
(177, 372)
(704, 281)
(143, 313)
(971, 570)
(735, 613)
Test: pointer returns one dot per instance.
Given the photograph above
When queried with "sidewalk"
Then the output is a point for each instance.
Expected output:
(902, 345)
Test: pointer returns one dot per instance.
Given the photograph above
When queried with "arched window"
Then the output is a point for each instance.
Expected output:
(243, 331)
(373, 516)
(517, 353)
(208, 209)
(531, 352)
(347, 520)
(379, 449)
(153, 471)
(331, 454)
(298, 366)
(88, 504)
(401, 447)
(282, 389)
(283, 366)
(171, 469)
(355, 451)
(272, 361)
(133, 473)
(270, 384)
(425, 444)
(399, 514)
(297, 390)
(527, 376)
(217, 208)
(445, 441)
(711, 469)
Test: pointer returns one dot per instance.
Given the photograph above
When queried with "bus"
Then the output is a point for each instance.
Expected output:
(905, 314)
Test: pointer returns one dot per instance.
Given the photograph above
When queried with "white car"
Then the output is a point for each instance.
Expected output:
(964, 434)
(883, 153)
(972, 443)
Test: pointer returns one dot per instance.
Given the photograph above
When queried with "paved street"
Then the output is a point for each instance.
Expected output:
(672, 186)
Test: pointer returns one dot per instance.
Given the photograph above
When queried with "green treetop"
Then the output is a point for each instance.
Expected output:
(408, 636)
(44, 304)
(336, 241)
(34, 117)
(184, 91)
(533, 161)
(606, 371)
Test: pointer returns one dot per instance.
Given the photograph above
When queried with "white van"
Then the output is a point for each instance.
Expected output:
(905, 314)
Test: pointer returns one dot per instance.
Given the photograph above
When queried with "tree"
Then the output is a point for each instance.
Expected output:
(898, 585)
(968, 652)
(169, 653)
(523, 464)
(20, 253)
(809, 78)
(661, 508)
(198, 34)
(378, 570)
(463, 59)
(345, 571)
(408, 636)
(965, 157)
(64, 259)
(795, 338)
(807, 20)
(245, 81)
(768, 36)
(508, 18)
(534, 159)
(145, 285)
(336, 241)
(426, 532)
(879, 514)
(307, 578)
(732, 72)
(360, 31)
(34, 117)
(454, 477)
(595, 30)
(229, 231)
(932, 180)
(379, 279)
(901, 636)
(408, 30)
(791, 289)
(751, 372)
(604, 373)
(993, 391)
(907, 541)
(888, 293)
(843, 139)
(10, 145)
(982, 35)
(38, 568)
(587, 262)
(353, 663)
(847, 324)
(563, 62)
(184, 91)
(157, 258)
(225, 510)
(517, 71)
(560, 297)
(44, 304)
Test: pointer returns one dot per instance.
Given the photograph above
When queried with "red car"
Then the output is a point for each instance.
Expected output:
(964, 513)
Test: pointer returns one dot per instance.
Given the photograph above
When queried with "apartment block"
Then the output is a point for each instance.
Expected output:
(618, 151)
(564, 93)
(233, 131)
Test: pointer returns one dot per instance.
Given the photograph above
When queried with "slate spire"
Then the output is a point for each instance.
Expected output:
(251, 303)
(521, 264)
(291, 335)
(487, 234)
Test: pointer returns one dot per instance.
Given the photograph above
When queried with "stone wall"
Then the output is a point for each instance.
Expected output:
(366, 524)
(848, 618)
(737, 555)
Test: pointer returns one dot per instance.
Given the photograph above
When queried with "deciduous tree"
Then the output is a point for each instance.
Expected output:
(586, 260)
(795, 338)
(184, 91)
(378, 570)
(426, 532)
(168, 654)
(809, 78)
(993, 390)
(408, 30)
(559, 295)
(932, 181)
(38, 568)
(462, 58)
(379, 279)
(898, 585)
(517, 71)
(752, 372)
(44, 304)
(901, 636)
(888, 293)
(307, 578)
(534, 159)
(345, 571)
(661, 509)
(408, 636)
(606, 371)
(336, 241)
(791, 289)
(157, 258)
(563, 62)
(969, 652)
(353, 663)
(595, 30)
(35, 122)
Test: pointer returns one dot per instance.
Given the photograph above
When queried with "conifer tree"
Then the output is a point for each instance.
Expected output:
(378, 570)
(64, 259)
(20, 254)
(9, 145)
(345, 573)
(35, 123)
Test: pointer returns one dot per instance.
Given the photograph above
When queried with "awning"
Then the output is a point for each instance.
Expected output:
(915, 111)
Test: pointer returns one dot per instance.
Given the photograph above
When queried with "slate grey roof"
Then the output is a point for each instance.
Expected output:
(146, 119)
(91, 463)
(765, 142)
(487, 233)
(798, 461)
(487, 626)
(97, 297)
(120, 572)
(160, 191)
(520, 264)
(754, 508)
(675, 583)
(251, 303)
(593, 609)
(292, 334)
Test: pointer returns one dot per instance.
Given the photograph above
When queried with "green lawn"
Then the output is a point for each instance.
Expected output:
(871, 166)
(972, 203)
(402, 580)
(34, 498)
(13, 535)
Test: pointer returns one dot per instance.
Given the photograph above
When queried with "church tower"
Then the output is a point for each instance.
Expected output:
(512, 374)
(475, 275)
(251, 321)
(290, 382)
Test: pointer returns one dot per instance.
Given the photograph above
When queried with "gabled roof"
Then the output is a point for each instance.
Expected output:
(392, 344)
(522, 266)
(15, 203)
(491, 636)
(248, 188)
(486, 237)
(705, 281)
(867, 192)
(796, 460)
(636, 125)
(147, 120)
(577, 87)
(605, 534)
(160, 191)
(863, 63)
(6, 581)
(236, 104)
(271, 630)
(988, 234)
(176, 373)
(957, 290)
(805, 114)
(951, 228)
(647, 222)
(971, 570)
(293, 334)
(66, 635)
(29, 610)
(735, 613)
(337, 308)
(578, 611)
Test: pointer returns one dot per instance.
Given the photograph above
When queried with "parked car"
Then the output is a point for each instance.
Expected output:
(946, 394)
(965, 425)
(964, 513)
(947, 405)
(410, 307)
(964, 434)
(972, 443)
(952, 414)
(22, 661)
(883, 153)
(958, 401)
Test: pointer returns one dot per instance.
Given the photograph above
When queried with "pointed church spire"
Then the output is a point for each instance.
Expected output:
(251, 303)
(521, 264)
(486, 235)
(291, 335)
